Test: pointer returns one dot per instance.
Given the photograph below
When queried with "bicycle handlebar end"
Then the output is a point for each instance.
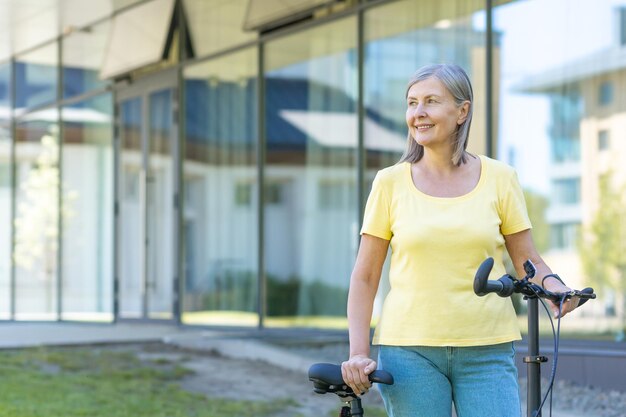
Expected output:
(481, 277)
(589, 294)
(381, 377)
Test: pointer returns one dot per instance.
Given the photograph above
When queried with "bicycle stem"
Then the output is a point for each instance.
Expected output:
(533, 360)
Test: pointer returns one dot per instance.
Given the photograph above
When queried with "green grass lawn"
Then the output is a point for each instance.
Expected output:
(94, 382)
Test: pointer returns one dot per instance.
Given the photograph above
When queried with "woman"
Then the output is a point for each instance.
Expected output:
(443, 211)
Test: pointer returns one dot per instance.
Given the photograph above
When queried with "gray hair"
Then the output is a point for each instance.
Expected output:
(456, 81)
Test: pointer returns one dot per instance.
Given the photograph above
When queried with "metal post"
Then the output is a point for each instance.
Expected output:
(356, 410)
(533, 360)
(260, 160)
(489, 150)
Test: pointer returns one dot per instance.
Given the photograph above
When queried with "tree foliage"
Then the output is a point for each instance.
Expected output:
(603, 250)
(603, 247)
(537, 205)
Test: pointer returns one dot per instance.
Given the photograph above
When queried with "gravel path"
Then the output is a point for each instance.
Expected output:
(219, 376)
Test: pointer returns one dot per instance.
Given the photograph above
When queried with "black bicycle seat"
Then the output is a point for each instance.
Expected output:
(326, 377)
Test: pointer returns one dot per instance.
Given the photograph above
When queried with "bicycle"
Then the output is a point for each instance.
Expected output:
(507, 285)
(326, 377)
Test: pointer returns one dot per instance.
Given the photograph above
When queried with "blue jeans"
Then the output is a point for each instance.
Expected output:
(480, 381)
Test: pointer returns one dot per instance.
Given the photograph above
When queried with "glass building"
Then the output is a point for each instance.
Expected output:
(207, 162)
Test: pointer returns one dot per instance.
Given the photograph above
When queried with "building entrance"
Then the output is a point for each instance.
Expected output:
(146, 198)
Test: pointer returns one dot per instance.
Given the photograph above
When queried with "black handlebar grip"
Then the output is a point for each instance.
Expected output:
(381, 377)
(482, 275)
(588, 291)
(504, 286)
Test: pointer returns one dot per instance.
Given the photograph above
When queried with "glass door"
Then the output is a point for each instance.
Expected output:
(146, 200)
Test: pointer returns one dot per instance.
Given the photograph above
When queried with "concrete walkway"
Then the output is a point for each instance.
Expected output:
(227, 343)
(22, 334)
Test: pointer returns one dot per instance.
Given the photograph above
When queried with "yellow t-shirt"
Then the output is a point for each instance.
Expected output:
(437, 245)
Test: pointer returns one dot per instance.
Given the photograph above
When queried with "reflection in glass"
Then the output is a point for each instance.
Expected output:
(37, 216)
(558, 97)
(36, 77)
(221, 194)
(82, 55)
(87, 201)
(5, 190)
(311, 214)
(131, 228)
(159, 206)
(146, 198)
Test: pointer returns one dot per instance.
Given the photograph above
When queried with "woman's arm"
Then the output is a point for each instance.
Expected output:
(521, 247)
(363, 286)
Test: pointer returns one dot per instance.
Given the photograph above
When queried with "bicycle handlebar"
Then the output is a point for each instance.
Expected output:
(507, 285)
(326, 377)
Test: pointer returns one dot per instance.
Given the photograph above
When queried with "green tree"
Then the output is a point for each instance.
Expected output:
(603, 247)
(537, 205)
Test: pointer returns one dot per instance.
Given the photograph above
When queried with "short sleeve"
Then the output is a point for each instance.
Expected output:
(513, 212)
(376, 219)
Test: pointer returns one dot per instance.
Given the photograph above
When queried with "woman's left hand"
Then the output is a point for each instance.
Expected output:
(553, 285)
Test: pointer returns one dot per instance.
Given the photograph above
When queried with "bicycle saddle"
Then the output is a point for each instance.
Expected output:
(326, 377)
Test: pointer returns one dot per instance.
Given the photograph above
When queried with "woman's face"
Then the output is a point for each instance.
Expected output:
(432, 115)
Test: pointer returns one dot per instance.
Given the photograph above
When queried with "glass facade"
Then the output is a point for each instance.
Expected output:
(232, 194)
(147, 200)
(36, 222)
(6, 187)
(131, 189)
(310, 186)
(83, 52)
(159, 214)
(36, 77)
(220, 218)
(86, 210)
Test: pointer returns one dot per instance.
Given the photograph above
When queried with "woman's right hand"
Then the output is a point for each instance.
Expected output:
(355, 373)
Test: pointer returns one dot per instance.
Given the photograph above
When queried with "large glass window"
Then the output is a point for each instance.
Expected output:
(5, 190)
(564, 236)
(220, 218)
(131, 230)
(36, 77)
(311, 212)
(37, 216)
(87, 210)
(566, 191)
(557, 93)
(147, 197)
(566, 110)
(82, 56)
